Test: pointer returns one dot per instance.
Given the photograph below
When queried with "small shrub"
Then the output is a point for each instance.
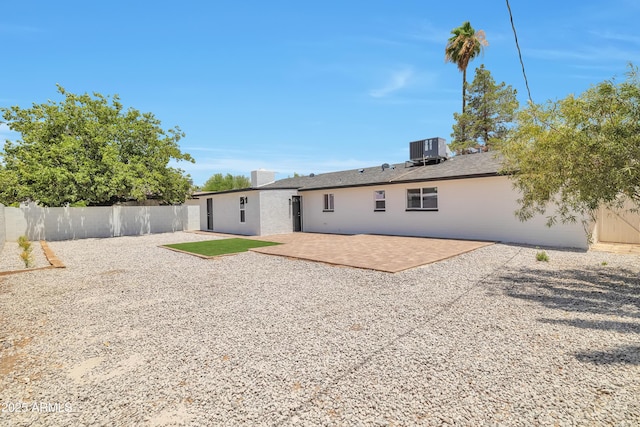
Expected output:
(26, 255)
(604, 263)
(542, 256)
(27, 258)
(24, 243)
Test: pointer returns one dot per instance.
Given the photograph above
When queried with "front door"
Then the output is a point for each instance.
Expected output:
(296, 211)
(209, 214)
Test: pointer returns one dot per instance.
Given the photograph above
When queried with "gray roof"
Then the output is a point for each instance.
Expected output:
(348, 178)
(458, 167)
(466, 166)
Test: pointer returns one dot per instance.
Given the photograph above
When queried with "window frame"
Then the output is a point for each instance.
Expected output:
(377, 200)
(328, 202)
(243, 214)
(424, 194)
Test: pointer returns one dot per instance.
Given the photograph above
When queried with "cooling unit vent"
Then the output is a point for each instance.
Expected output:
(428, 150)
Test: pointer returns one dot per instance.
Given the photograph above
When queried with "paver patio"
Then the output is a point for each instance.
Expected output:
(375, 252)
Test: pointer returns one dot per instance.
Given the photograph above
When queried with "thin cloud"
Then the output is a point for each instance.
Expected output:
(381, 41)
(273, 148)
(397, 81)
(553, 54)
(586, 77)
(219, 150)
(283, 166)
(599, 67)
(19, 29)
(433, 101)
(429, 33)
(607, 35)
(600, 54)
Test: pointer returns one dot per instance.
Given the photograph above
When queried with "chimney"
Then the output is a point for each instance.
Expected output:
(262, 177)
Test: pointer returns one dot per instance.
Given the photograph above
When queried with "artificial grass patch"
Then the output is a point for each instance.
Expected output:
(220, 247)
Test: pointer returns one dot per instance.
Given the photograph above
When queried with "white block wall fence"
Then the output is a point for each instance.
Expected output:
(68, 223)
(3, 229)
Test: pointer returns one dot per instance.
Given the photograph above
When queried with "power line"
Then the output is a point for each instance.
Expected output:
(515, 35)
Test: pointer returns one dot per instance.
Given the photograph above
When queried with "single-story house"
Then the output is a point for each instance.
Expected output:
(463, 197)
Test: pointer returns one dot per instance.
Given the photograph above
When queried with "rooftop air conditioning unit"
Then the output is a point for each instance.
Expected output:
(428, 150)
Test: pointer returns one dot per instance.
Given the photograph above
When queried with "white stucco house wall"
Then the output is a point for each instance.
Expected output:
(464, 197)
(477, 209)
(254, 211)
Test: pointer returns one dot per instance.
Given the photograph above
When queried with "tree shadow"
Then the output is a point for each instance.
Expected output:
(603, 325)
(592, 290)
(625, 354)
(610, 291)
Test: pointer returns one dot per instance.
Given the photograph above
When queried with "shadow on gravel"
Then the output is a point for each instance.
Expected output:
(627, 354)
(606, 290)
(598, 291)
(603, 325)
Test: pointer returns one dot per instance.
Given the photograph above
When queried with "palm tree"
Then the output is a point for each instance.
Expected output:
(464, 45)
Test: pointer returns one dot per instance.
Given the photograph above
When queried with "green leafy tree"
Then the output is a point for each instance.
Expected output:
(462, 142)
(490, 111)
(219, 182)
(462, 47)
(86, 150)
(579, 153)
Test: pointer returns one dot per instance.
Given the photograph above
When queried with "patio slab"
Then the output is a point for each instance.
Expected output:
(384, 253)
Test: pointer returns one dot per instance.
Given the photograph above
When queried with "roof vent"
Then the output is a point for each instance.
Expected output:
(360, 170)
(312, 175)
(385, 166)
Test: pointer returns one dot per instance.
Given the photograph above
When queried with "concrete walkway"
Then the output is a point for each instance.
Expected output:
(384, 253)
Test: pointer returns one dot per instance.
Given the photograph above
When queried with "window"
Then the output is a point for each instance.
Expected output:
(379, 201)
(328, 203)
(243, 202)
(422, 199)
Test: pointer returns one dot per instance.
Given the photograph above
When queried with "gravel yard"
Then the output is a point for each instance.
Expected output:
(10, 257)
(130, 333)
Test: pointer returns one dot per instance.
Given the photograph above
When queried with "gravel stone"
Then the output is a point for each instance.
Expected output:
(134, 334)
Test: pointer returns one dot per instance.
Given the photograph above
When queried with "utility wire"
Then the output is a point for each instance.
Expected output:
(524, 73)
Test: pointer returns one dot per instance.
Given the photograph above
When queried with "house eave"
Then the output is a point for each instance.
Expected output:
(242, 190)
(404, 181)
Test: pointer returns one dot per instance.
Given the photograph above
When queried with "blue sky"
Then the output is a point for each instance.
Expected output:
(297, 86)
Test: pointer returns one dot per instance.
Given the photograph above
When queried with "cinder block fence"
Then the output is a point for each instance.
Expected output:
(68, 223)
(3, 229)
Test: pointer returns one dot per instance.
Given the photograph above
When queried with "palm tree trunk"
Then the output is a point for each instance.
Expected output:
(464, 89)
(464, 103)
